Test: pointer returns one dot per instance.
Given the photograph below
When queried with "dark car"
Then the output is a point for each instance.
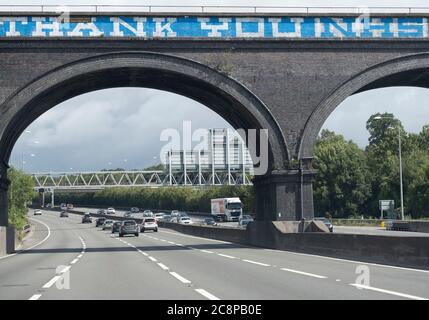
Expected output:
(135, 210)
(128, 214)
(326, 222)
(129, 227)
(64, 214)
(99, 222)
(210, 222)
(244, 220)
(87, 218)
(116, 225)
(101, 211)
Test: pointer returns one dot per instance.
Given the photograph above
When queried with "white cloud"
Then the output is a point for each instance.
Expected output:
(408, 104)
(89, 131)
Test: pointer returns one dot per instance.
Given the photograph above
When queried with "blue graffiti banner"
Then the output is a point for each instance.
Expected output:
(216, 27)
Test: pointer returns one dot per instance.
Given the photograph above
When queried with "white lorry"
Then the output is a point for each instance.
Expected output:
(226, 209)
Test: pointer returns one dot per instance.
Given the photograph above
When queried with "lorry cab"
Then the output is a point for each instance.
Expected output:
(226, 209)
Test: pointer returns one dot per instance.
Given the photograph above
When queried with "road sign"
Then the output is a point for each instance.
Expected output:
(387, 204)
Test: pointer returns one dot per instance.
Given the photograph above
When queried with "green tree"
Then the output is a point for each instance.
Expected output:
(342, 183)
(20, 192)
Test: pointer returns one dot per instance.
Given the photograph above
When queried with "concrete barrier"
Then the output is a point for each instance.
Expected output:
(412, 226)
(2, 241)
(400, 251)
(392, 250)
(218, 233)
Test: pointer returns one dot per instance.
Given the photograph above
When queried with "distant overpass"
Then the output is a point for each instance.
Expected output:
(97, 180)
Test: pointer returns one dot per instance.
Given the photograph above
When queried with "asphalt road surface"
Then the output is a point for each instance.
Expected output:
(79, 261)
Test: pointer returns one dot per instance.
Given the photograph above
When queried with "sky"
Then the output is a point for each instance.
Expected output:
(121, 127)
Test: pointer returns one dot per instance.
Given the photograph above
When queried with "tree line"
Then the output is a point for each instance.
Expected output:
(167, 198)
(19, 194)
(350, 181)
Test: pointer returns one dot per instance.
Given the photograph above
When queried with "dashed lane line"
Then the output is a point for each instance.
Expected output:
(51, 282)
(226, 256)
(60, 274)
(304, 273)
(394, 293)
(206, 294)
(256, 262)
(180, 278)
(162, 266)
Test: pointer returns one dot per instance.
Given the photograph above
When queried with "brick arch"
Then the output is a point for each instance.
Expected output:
(230, 99)
(405, 71)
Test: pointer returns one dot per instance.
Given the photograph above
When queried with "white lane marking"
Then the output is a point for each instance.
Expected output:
(163, 266)
(152, 259)
(195, 237)
(145, 254)
(226, 256)
(179, 277)
(256, 262)
(35, 297)
(304, 273)
(65, 269)
(180, 245)
(171, 242)
(34, 246)
(350, 261)
(80, 256)
(206, 251)
(51, 282)
(303, 254)
(74, 261)
(206, 294)
(399, 294)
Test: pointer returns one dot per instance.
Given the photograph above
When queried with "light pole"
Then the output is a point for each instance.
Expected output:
(400, 165)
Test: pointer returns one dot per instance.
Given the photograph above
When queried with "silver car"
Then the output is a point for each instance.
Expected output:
(129, 227)
(149, 224)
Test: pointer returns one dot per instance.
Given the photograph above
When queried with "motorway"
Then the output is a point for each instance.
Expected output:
(198, 219)
(79, 261)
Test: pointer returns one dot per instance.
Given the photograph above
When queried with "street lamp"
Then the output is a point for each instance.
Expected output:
(400, 165)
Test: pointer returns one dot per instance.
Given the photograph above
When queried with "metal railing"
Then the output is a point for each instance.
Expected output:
(211, 9)
(153, 179)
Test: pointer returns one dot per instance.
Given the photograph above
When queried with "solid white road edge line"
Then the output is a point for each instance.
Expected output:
(304, 273)
(399, 294)
(179, 277)
(347, 260)
(34, 246)
(206, 294)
